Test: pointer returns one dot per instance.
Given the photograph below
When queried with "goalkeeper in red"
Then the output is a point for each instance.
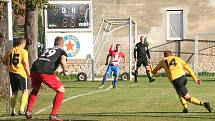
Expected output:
(174, 67)
(113, 66)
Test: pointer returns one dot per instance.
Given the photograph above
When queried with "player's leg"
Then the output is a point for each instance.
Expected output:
(53, 82)
(23, 102)
(14, 83)
(107, 73)
(191, 99)
(13, 102)
(115, 74)
(32, 98)
(138, 64)
(183, 103)
(136, 74)
(179, 85)
(182, 90)
(36, 83)
(198, 102)
(58, 100)
(24, 95)
(148, 70)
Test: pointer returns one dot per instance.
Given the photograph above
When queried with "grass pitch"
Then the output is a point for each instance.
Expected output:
(143, 101)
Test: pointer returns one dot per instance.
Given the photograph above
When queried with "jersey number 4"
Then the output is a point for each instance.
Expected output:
(172, 62)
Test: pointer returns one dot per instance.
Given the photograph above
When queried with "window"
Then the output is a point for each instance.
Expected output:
(174, 25)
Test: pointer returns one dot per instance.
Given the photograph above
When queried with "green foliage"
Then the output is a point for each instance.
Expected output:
(32, 4)
(41, 34)
(206, 74)
(15, 27)
(20, 5)
(69, 76)
(37, 3)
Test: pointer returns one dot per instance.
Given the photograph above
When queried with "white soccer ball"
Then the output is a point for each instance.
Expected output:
(148, 40)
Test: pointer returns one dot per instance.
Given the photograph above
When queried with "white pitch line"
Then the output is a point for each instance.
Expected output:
(73, 97)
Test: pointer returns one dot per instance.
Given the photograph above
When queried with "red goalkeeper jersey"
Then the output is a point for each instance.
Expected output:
(116, 56)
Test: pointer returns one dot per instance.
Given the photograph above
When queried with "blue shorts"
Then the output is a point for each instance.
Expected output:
(114, 69)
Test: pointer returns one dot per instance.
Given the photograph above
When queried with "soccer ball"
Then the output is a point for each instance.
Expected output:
(148, 40)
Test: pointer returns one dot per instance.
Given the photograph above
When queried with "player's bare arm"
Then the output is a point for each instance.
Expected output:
(156, 69)
(64, 63)
(198, 81)
(135, 54)
(148, 54)
(107, 59)
(27, 69)
(124, 62)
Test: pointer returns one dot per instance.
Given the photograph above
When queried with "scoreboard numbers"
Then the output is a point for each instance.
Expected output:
(69, 16)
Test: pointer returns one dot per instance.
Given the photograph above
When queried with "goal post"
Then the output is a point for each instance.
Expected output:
(120, 31)
(5, 85)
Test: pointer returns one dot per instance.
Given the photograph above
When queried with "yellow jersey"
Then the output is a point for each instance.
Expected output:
(174, 67)
(15, 59)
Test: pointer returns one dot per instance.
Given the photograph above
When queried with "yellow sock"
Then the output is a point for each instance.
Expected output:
(183, 101)
(195, 101)
(13, 102)
(23, 101)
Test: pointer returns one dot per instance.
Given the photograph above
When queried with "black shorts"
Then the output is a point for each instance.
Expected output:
(142, 61)
(17, 82)
(179, 85)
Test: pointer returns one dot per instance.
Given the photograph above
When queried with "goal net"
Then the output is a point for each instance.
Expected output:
(204, 62)
(117, 31)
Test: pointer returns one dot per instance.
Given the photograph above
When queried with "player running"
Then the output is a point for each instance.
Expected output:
(174, 67)
(113, 66)
(43, 70)
(17, 63)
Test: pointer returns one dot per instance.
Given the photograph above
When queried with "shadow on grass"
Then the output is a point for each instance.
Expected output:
(43, 120)
(86, 116)
(209, 80)
(81, 87)
(199, 115)
(44, 117)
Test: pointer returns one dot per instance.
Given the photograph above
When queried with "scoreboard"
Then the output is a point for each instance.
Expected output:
(71, 20)
(66, 16)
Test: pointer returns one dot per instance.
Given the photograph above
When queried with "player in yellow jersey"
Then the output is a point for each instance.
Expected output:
(16, 60)
(174, 67)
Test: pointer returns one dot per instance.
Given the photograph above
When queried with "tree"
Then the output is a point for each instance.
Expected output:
(31, 29)
(4, 80)
(30, 11)
(31, 26)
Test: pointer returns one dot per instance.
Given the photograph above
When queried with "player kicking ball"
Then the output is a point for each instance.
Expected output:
(113, 66)
(174, 67)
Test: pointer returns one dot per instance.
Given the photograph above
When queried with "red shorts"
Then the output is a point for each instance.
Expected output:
(49, 79)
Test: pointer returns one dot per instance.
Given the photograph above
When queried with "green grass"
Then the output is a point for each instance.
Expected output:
(143, 101)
